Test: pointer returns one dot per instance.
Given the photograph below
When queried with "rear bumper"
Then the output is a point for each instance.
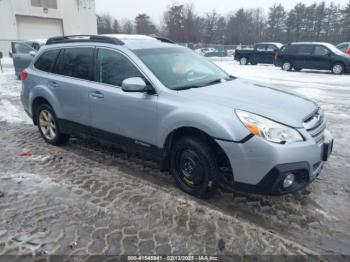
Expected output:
(260, 166)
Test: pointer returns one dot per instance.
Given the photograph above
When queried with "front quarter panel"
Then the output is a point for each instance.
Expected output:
(176, 112)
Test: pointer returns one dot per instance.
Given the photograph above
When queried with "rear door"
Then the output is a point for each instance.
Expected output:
(22, 55)
(259, 55)
(322, 59)
(304, 57)
(70, 82)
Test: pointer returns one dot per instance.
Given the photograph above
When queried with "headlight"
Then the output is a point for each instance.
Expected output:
(268, 129)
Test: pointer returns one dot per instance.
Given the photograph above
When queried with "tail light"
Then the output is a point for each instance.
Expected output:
(24, 75)
(277, 56)
(348, 51)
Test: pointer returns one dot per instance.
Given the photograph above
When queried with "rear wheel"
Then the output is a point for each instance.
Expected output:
(49, 127)
(193, 166)
(287, 66)
(338, 69)
(243, 61)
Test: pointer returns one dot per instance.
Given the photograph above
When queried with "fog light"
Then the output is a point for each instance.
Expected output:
(289, 180)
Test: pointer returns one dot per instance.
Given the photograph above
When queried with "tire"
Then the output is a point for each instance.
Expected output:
(287, 66)
(243, 61)
(51, 131)
(298, 69)
(338, 69)
(194, 166)
(255, 63)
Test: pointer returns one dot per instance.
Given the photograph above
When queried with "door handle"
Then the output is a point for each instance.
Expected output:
(53, 84)
(97, 94)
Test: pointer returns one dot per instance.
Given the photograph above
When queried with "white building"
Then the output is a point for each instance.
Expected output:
(39, 19)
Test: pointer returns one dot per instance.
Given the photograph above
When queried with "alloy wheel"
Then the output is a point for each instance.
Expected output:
(287, 66)
(338, 69)
(47, 125)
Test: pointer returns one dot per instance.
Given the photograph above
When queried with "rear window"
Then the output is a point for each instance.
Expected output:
(76, 62)
(290, 49)
(47, 60)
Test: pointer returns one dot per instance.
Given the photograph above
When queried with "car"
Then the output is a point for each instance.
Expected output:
(203, 51)
(313, 55)
(170, 104)
(344, 47)
(263, 53)
(217, 53)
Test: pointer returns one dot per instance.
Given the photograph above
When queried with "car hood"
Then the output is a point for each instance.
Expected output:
(280, 104)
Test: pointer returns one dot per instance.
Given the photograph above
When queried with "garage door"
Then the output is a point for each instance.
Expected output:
(38, 28)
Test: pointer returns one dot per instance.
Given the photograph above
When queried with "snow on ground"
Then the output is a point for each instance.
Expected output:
(314, 84)
(11, 110)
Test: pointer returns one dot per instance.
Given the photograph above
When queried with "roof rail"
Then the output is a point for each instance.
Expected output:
(83, 38)
(163, 39)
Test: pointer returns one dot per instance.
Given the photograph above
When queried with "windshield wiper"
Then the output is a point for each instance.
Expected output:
(212, 82)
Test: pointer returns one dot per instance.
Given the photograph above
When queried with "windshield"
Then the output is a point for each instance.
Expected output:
(180, 68)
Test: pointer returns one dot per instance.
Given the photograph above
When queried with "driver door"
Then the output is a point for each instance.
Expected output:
(125, 118)
(22, 55)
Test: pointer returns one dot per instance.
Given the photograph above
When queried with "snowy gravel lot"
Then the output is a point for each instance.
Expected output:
(84, 199)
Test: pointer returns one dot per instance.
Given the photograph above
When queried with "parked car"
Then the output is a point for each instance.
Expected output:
(203, 51)
(319, 56)
(217, 53)
(344, 47)
(261, 53)
(169, 103)
(23, 53)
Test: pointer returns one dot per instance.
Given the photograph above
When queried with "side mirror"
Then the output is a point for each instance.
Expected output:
(32, 53)
(134, 84)
(0, 55)
(10, 54)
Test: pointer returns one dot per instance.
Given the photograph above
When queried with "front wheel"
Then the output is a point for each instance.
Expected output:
(338, 69)
(193, 166)
(49, 127)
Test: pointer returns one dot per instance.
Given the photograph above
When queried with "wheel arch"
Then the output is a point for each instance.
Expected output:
(41, 95)
(188, 131)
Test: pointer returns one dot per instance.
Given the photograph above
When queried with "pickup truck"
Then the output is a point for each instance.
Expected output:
(263, 53)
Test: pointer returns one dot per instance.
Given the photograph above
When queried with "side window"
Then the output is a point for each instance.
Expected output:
(321, 51)
(271, 48)
(21, 48)
(113, 68)
(305, 50)
(261, 48)
(76, 62)
(343, 48)
(47, 60)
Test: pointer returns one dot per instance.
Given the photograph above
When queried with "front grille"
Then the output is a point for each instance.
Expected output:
(316, 126)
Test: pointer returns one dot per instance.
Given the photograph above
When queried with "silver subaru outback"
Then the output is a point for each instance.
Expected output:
(151, 96)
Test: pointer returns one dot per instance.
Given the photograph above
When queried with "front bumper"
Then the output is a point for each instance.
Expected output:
(261, 166)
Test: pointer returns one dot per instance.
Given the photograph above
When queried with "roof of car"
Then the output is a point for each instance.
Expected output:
(135, 42)
(309, 43)
(279, 45)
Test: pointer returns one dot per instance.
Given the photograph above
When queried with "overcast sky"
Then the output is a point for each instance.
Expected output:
(130, 8)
